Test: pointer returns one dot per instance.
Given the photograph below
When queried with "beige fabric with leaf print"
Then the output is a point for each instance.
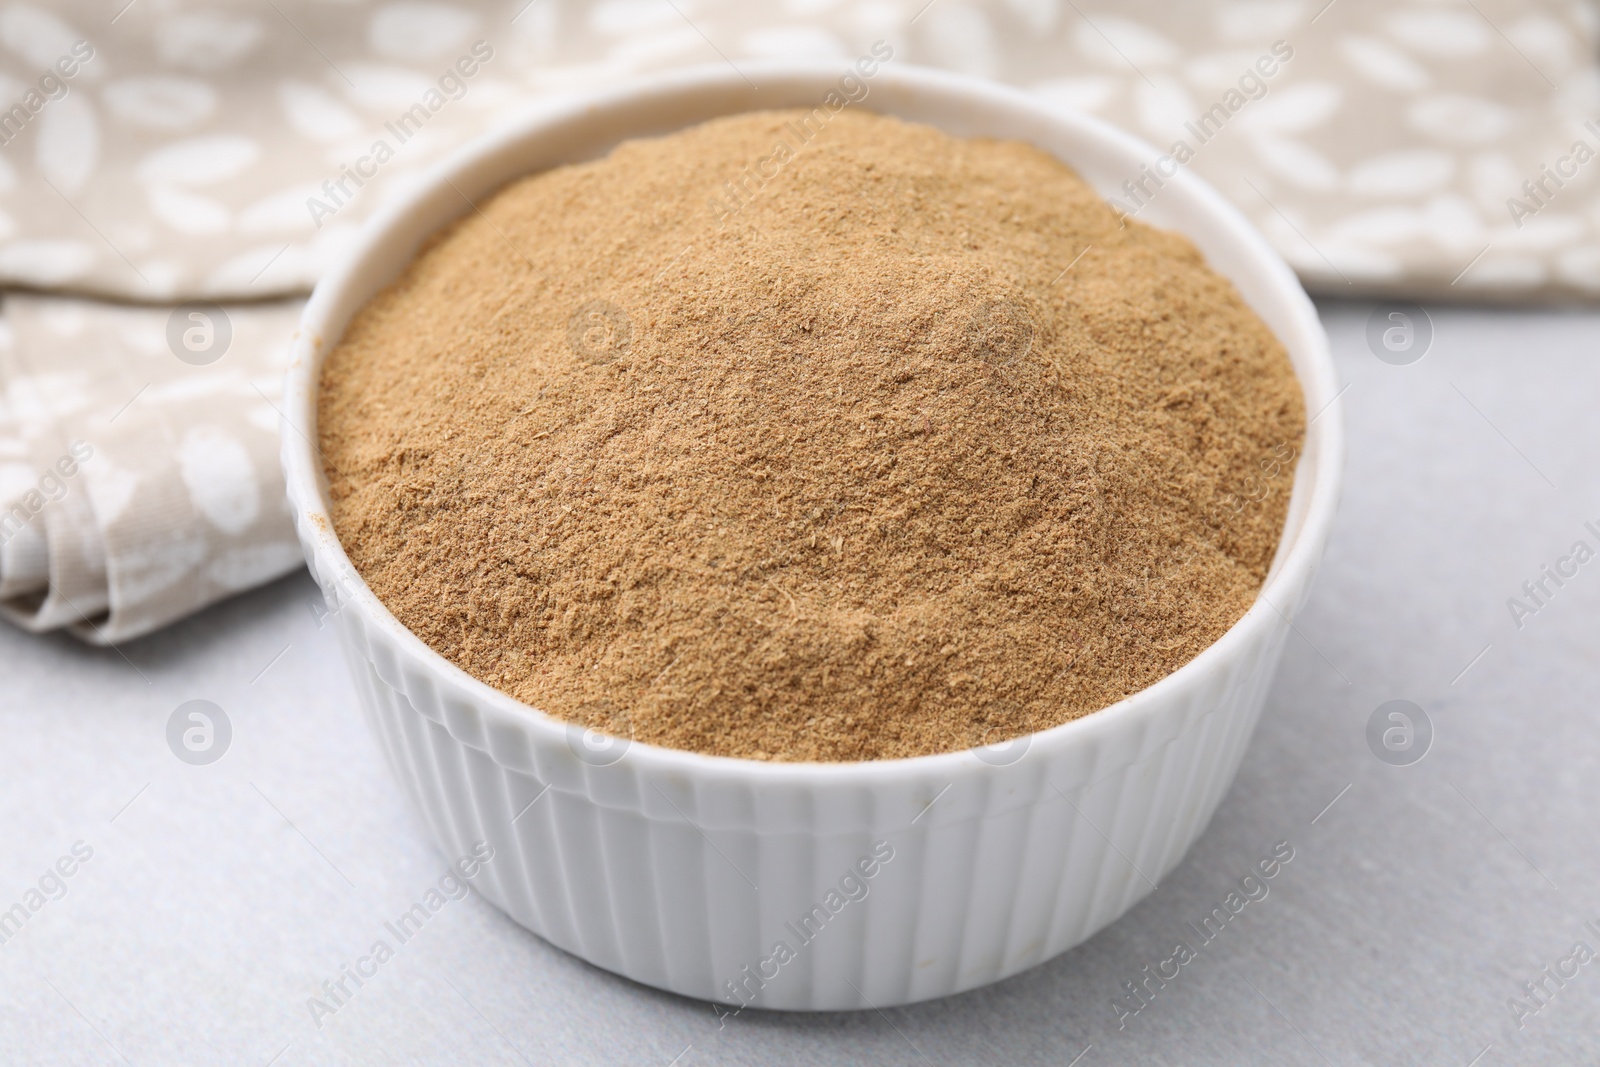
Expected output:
(164, 151)
(171, 497)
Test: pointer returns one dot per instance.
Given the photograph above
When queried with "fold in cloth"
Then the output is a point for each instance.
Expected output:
(142, 487)
(183, 150)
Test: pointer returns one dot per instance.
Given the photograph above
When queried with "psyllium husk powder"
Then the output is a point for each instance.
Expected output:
(878, 444)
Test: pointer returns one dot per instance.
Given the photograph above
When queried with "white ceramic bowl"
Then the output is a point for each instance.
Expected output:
(686, 871)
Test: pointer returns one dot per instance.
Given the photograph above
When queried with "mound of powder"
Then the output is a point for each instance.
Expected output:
(795, 444)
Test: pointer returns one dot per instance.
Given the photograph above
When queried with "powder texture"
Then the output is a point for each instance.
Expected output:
(912, 447)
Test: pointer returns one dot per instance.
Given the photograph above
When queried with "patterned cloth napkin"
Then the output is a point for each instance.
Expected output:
(169, 153)
(144, 486)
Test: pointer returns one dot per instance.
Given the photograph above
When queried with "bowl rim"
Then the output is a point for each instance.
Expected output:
(1297, 556)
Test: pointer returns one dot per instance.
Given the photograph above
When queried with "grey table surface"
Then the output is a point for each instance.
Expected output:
(1419, 901)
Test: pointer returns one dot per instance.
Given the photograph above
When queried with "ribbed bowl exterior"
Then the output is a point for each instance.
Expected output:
(681, 883)
(885, 882)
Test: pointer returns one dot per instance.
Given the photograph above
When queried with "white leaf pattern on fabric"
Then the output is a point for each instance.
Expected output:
(69, 143)
(48, 262)
(1297, 163)
(683, 44)
(314, 112)
(1546, 43)
(411, 30)
(220, 478)
(1367, 78)
(1581, 267)
(1459, 118)
(1421, 170)
(264, 417)
(1253, 20)
(1384, 64)
(1039, 16)
(281, 212)
(1292, 109)
(111, 490)
(1507, 272)
(271, 266)
(16, 479)
(793, 42)
(201, 161)
(1493, 177)
(640, 17)
(1217, 72)
(162, 103)
(389, 88)
(188, 212)
(1164, 106)
(206, 40)
(1454, 225)
(249, 565)
(39, 37)
(155, 567)
(959, 37)
(1439, 32)
(1117, 42)
(1380, 226)
(1539, 234)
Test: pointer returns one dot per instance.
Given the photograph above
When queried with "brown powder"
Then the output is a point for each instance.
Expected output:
(865, 471)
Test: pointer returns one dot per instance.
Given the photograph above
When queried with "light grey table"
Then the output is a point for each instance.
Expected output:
(1420, 898)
